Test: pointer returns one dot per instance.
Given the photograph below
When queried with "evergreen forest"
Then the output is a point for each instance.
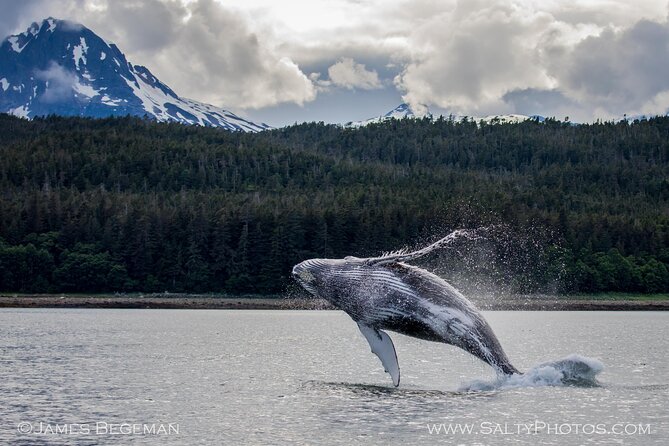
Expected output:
(128, 204)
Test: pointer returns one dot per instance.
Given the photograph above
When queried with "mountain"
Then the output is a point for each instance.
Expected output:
(61, 67)
(404, 111)
(400, 112)
(502, 119)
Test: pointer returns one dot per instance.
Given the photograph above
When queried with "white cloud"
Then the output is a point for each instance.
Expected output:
(467, 58)
(216, 58)
(597, 57)
(60, 83)
(349, 74)
(602, 59)
(624, 71)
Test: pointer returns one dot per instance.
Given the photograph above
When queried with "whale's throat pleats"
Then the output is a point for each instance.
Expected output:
(382, 346)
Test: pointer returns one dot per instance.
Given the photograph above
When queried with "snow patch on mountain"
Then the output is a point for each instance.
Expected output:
(21, 112)
(79, 53)
(84, 90)
(14, 41)
(52, 24)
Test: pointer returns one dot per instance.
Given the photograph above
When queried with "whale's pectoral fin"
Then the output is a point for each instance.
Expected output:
(382, 346)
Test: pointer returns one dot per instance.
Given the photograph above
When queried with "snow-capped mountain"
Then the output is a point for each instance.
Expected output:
(404, 111)
(400, 112)
(61, 67)
(502, 119)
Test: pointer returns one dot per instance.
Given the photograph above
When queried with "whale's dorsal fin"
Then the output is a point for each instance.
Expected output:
(382, 346)
(404, 256)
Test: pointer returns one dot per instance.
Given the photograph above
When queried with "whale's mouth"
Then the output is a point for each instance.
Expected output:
(573, 370)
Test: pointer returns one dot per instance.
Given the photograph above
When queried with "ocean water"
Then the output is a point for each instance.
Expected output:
(307, 377)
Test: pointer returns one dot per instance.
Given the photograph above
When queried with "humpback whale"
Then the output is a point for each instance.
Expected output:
(386, 293)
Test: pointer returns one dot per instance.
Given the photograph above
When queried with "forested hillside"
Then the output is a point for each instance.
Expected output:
(126, 204)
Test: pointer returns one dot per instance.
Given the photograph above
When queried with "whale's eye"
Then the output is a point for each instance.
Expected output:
(306, 276)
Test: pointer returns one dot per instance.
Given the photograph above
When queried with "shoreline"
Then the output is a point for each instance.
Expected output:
(199, 302)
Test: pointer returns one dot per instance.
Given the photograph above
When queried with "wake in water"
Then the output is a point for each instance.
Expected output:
(573, 370)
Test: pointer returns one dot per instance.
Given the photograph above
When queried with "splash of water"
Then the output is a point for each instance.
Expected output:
(572, 370)
(500, 261)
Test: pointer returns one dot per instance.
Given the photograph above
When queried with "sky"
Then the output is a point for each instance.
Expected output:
(282, 62)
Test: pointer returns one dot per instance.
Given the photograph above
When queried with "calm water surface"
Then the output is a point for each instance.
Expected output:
(307, 377)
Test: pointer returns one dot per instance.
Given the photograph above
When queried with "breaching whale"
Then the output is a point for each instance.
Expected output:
(385, 293)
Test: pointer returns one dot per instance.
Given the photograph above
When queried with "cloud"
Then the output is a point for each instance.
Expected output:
(15, 14)
(549, 103)
(349, 74)
(587, 59)
(598, 60)
(141, 25)
(625, 71)
(60, 83)
(466, 59)
(216, 57)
